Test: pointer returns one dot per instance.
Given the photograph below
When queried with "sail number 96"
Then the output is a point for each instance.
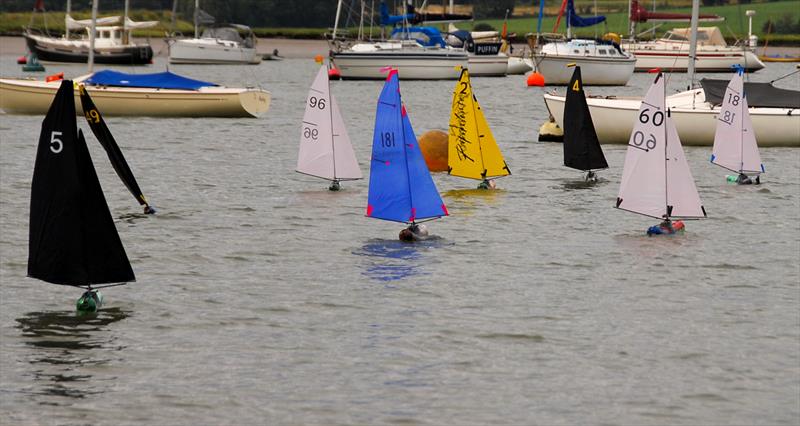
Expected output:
(315, 102)
(658, 117)
(310, 133)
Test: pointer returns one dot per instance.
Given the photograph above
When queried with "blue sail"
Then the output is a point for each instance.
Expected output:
(577, 21)
(400, 186)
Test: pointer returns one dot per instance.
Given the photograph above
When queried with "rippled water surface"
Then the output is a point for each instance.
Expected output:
(262, 298)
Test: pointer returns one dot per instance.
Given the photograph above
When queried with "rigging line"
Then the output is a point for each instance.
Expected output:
(787, 75)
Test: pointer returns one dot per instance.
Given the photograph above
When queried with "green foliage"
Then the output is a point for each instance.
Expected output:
(483, 9)
(783, 25)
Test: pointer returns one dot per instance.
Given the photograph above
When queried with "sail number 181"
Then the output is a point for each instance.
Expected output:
(387, 140)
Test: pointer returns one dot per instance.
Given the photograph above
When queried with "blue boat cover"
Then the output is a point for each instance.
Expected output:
(426, 36)
(161, 80)
(577, 21)
(400, 186)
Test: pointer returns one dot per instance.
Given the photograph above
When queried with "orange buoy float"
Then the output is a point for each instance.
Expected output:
(433, 145)
(334, 74)
(535, 79)
(318, 59)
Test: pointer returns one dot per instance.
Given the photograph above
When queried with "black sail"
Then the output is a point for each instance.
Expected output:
(581, 147)
(103, 134)
(72, 240)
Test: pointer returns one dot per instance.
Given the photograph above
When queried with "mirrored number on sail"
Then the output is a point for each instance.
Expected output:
(387, 140)
(55, 144)
(310, 133)
(638, 140)
(315, 102)
(727, 117)
(658, 117)
(93, 116)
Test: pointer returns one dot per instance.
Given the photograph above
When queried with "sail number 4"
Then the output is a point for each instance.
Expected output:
(55, 143)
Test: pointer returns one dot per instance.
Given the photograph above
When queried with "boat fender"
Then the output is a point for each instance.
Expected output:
(535, 79)
(54, 77)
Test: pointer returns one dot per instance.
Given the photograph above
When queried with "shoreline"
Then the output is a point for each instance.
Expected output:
(298, 48)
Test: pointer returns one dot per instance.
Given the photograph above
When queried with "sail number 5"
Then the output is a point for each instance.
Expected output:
(55, 143)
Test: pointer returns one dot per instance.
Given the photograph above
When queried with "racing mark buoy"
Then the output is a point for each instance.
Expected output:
(433, 145)
(550, 132)
(535, 79)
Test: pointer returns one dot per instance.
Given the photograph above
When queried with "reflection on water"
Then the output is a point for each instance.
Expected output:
(579, 184)
(66, 345)
(391, 260)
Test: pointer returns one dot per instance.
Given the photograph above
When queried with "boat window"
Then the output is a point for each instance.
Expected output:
(601, 51)
(576, 51)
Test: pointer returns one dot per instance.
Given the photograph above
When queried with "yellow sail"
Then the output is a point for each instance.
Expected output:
(472, 151)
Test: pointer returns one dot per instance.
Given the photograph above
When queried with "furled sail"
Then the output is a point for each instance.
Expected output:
(106, 139)
(735, 146)
(582, 149)
(656, 180)
(400, 186)
(325, 148)
(72, 238)
(472, 150)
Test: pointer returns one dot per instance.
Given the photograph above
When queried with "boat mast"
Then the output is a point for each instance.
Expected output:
(125, 36)
(666, 141)
(66, 19)
(196, 17)
(92, 36)
(172, 19)
(336, 22)
(693, 42)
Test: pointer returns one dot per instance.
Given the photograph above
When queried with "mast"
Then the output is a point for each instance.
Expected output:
(125, 34)
(66, 24)
(693, 42)
(196, 17)
(666, 142)
(632, 25)
(336, 22)
(172, 20)
(92, 36)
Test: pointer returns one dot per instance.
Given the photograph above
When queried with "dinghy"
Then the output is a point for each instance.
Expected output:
(325, 149)
(735, 146)
(106, 139)
(656, 180)
(581, 147)
(400, 186)
(72, 240)
(472, 151)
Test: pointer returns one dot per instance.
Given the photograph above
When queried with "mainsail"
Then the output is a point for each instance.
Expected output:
(735, 146)
(325, 148)
(472, 150)
(400, 186)
(72, 238)
(581, 147)
(656, 180)
(106, 139)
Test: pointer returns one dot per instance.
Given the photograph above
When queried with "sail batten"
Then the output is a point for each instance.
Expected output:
(325, 148)
(473, 152)
(72, 237)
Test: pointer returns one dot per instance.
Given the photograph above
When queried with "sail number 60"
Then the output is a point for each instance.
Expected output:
(658, 117)
(638, 140)
(55, 143)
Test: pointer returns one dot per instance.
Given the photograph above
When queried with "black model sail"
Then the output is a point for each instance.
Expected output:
(103, 134)
(581, 147)
(72, 238)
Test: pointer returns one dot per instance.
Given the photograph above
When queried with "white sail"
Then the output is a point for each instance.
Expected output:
(644, 187)
(683, 201)
(325, 149)
(735, 146)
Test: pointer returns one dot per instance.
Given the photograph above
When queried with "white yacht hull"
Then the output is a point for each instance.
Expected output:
(519, 65)
(708, 60)
(35, 97)
(411, 66)
(594, 71)
(613, 119)
(211, 51)
(488, 65)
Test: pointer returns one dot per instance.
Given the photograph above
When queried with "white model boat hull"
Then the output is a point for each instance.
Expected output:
(411, 66)
(35, 97)
(211, 51)
(595, 71)
(613, 119)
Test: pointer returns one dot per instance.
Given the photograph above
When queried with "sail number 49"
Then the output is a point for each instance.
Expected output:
(55, 143)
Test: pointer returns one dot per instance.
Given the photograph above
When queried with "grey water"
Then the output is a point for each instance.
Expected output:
(263, 298)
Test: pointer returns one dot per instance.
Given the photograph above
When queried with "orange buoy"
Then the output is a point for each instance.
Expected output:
(433, 145)
(535, 79)
(54, 77)
(334, 74)
(318, 59)
(22, 60)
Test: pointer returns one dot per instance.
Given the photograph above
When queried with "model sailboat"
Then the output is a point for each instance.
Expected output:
(656, 180)
(106, 139)
(472, 151)
(73, 240)
(735, 146)
(400, 186)
(325, 149)
(581, 147)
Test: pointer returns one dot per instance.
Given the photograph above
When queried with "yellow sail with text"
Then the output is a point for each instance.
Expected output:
(472, 151)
